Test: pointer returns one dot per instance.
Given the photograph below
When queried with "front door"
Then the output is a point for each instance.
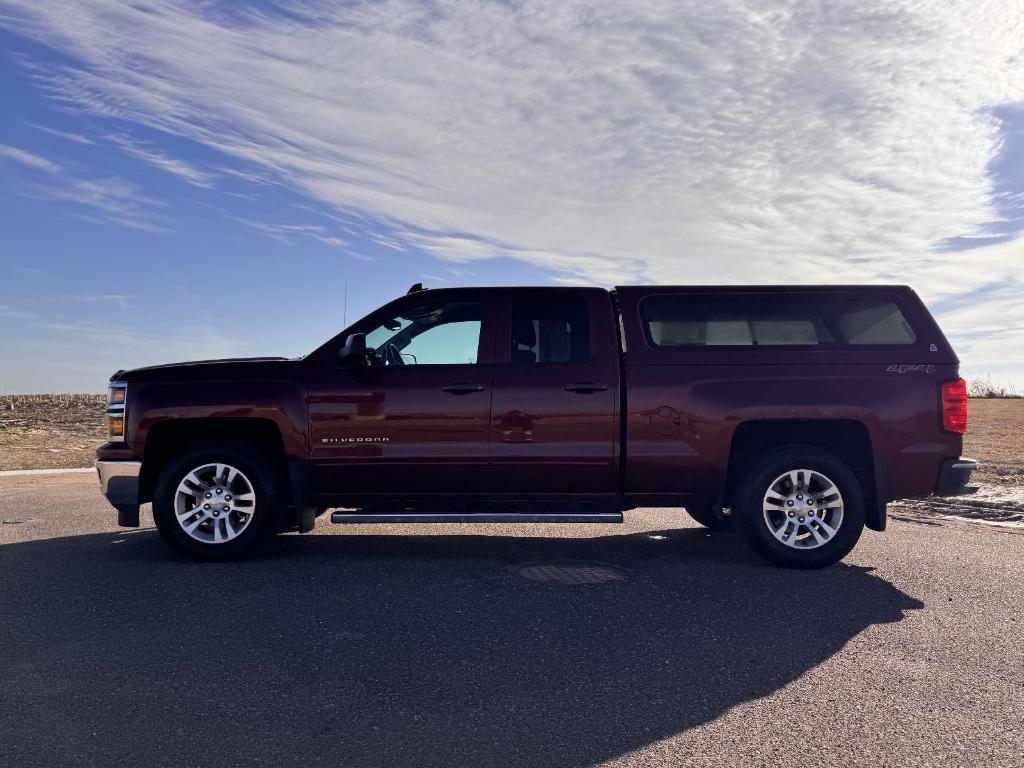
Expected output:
(413, 421)
(555, 398)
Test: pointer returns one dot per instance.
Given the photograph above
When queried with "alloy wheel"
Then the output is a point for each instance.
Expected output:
(803, 509)
(214, 503)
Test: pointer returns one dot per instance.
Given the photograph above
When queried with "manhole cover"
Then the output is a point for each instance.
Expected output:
(572, 574)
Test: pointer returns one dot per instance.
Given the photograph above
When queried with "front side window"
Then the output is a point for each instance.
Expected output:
(549, 330)
(432, 333)
(778, 320)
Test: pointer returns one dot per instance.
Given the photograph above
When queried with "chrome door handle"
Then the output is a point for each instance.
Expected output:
(461, 388)
(586, 387)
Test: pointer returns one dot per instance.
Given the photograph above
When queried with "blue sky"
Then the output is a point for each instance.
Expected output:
(182, 180)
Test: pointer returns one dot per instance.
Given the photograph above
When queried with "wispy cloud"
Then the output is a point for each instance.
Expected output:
(251, 177)
(283, 232)
(393, 243)
(115, 200)
(119, 300)
(190, 341)
(77, 138)
(35, 162)
(569, 267)
(11, 312)
(161, 160)
(289, 233)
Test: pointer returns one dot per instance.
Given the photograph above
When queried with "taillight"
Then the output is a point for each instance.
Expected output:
(954, 406)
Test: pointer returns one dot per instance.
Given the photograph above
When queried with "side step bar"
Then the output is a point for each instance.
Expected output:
(475, 517)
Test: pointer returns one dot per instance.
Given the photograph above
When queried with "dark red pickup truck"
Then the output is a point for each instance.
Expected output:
(794, 413)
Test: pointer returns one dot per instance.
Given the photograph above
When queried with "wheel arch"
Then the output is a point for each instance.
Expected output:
(168, 438)
(847, 439)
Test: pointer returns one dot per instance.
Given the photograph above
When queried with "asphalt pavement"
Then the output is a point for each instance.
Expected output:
(479, 646)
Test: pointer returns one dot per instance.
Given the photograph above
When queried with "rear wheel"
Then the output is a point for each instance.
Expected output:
(710, 518)
(800, 508)
(217, 500)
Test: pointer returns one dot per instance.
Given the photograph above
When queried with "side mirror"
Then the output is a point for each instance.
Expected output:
(354, 351)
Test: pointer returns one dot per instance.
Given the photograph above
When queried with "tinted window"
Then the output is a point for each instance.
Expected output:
(555, 330)
(796, 319)
(435, 333)
(874, 322)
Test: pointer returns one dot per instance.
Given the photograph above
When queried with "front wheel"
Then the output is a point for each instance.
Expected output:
(217, 500)
(800, 508)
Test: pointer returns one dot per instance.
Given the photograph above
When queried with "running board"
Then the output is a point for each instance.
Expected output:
(475, 517)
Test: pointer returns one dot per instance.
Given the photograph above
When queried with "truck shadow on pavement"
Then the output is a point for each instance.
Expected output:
(425, 650)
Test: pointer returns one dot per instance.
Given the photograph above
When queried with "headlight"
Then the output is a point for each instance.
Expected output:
(117, 395)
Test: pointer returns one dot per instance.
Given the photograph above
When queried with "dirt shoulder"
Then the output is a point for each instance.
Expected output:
(50, 431)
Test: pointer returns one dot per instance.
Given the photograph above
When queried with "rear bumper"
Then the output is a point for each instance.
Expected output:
(119, 482)
(954, 476)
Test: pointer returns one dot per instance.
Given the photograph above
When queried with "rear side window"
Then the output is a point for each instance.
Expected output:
(874, 322)
(555, 330)
(782, 319)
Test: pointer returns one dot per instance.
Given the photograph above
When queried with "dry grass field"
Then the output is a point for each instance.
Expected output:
(61, 431)
(50, 431)
(995, 437)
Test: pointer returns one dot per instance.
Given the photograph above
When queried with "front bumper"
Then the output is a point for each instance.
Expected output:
(119, 482)
(954, 476)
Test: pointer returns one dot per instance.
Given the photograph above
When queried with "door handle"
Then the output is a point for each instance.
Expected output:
(586, 387)
(461, 388)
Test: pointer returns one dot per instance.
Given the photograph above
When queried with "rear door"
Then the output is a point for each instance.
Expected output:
(555, 396)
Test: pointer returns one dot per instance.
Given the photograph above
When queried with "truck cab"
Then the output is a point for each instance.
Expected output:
(504, 395)
(794, 414)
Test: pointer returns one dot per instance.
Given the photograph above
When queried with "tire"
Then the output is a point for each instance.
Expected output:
(778, 532)
(252, 512)
(710, 518)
